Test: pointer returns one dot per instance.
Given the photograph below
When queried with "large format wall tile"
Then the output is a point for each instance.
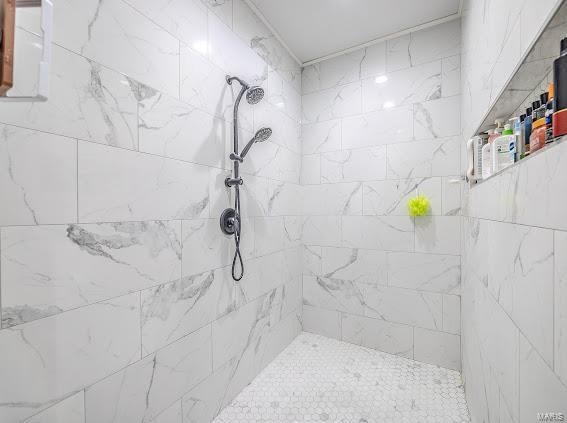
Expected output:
(332, 103)
(48, 269)
(560, 305)
(70, 410)
(394, 233)
(52, 358)
(38, 177)
(118, 36)
(363, 164)
(141, 391)
(117, 185)
(439, 348)
(86, 100)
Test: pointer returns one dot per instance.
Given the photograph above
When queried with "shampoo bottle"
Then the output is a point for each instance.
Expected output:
(504, 150)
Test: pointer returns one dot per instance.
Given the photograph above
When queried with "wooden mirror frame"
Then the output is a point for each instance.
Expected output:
(8, 18)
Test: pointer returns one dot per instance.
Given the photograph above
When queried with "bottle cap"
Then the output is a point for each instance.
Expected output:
(538, 123)
(564, 46)
(544, 97)
(522, 117)
(507, 130)
(535, 105)
(529, 111)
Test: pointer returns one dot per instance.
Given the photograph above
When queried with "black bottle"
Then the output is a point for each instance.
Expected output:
(559, 118)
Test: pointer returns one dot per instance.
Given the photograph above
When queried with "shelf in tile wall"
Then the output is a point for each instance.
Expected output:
(544, 150)
(533, 69)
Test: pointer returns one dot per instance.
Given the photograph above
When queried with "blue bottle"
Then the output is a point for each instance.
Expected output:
(527, 131)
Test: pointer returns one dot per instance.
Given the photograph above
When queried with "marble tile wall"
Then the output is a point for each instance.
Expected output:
(513, 245)
(377, 125)
(117, 303)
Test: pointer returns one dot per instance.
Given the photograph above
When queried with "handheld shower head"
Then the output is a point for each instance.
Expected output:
(254, 95)
(261, 135)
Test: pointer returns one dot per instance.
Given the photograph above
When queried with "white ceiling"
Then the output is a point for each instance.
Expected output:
(314, 29)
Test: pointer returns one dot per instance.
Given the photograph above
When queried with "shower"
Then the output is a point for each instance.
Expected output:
(230, 220)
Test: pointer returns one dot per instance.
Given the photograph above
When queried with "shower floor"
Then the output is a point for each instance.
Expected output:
(317, 379)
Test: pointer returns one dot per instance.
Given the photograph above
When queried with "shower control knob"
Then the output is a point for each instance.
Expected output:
(229, 222)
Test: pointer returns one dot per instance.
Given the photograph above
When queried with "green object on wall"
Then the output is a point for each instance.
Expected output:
(418, 205)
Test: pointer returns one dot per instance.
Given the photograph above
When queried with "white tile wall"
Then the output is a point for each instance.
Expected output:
(116, 294)
(379, 125)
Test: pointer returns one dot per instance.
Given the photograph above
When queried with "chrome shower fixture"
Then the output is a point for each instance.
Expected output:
(230, 220)
(260, 136)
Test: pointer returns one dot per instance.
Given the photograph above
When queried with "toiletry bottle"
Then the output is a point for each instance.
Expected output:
(504, 150)
(560, 84)
(527, 132)
(535, 110)
(543, 98)
(517, 123)
(487, 160)
(538, 135)
(549, 109)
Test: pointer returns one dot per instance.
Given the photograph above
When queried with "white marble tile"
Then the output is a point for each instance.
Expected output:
(357, 265)
(333, 103)
(49, 269)
(436, 42)
(540, 389)
(204, 402)
(438, 234)
(38, 177)
(170, 128)
(440, 348)
(286, 131)
(262, 275)
(424, 158)
(117, 185)
(185, 20)
(321, 137)
(284, 198)
(241, 336)
(269, 235)
(377, 334)
(374, 61)
(284, 95)
(231, 54)
(312, 257)
(254, 196)
(311, 169)
(330, 73)
(143, 390)
(333, 294)
(560, 307)
(52, 358)
(322, 230)
(451, 76)
(394, 233)
(452, 314)
(172, 414)
(362, 164)
(397, 53)
(427, 272)
(104, 32)
(321, 321)
(272, 161)
(421, 309)
(205, 247)
(332, 199)
(404, 87)
(172, 311)
(451, 193)
(222, 9)
(387, 126)
(70, 410)
(368, 380)
(203, 85)
(86, 100)
(391, 197)
(437, 118)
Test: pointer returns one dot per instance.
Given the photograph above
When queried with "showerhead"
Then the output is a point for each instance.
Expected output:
(261, 135)
(254, 95)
